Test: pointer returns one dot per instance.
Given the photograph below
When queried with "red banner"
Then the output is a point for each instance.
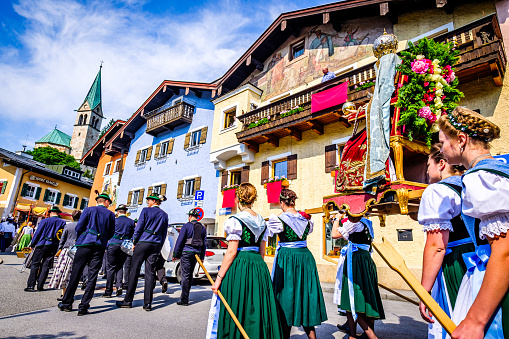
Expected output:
(273, 192)
(329, 98)
(229, 198)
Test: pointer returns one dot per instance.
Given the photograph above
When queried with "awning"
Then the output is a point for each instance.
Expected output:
(40, 211)
(23, 207)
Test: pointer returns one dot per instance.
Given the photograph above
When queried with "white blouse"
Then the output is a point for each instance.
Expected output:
(350, 227)
(233, 229)
(28, 230)
(439, 204)
(275, 226)
(486, 197)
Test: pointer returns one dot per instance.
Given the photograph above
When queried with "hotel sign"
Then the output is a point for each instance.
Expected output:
(46, 181)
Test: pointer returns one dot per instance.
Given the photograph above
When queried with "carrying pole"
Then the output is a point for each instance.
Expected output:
(241, 329)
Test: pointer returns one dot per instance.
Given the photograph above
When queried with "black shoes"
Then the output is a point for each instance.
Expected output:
(119, 292)
(62, 307)
(344, 328)
(30, 289)
(147, 307)
(83, 286)
(181, 303)
(107, 295)
(164, 289)
(41, 289)
(82, 311)
(60, 298)
(124, 304)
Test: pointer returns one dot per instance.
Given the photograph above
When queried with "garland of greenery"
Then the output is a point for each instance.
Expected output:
(431, 90)
(282, 114)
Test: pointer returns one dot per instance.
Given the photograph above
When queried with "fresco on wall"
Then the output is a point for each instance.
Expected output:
(324, 46)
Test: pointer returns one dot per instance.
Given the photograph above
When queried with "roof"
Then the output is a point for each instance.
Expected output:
(91, 158)
(38, 167)
(56, 137)
(94, 94)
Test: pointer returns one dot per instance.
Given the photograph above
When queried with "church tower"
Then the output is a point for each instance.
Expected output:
(88, 121)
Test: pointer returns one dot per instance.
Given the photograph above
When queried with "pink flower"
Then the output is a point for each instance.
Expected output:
(443, 97)
(420, 66)
(426, 113)
(426, 84)
(355, 87)
(400, 85)
(268, 117)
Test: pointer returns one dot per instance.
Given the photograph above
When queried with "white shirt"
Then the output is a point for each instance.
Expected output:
(28, 230)
(350, 227)
(275, 226)
(9, 228)
(233, 229)
(486, 197)
(439, 204)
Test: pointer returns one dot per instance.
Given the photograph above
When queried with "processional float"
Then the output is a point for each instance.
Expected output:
(383, 167)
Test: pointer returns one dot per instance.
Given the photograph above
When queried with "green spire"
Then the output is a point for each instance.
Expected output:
(94, 94)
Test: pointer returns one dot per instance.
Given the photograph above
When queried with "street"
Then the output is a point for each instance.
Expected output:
(35, 315)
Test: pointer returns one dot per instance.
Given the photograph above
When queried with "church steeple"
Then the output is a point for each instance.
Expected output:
(93, 97)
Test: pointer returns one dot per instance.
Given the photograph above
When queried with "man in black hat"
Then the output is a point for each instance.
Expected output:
(149, 236)
(95, 227)
(191, 241)
(45, 243)
(124, 229)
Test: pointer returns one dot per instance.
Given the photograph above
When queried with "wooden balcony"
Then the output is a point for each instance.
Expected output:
(168, 117)
(481, 54)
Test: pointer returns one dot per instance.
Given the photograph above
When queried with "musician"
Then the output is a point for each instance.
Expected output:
(45, 243)
(95, 227)
(124, 229)
(148, 238)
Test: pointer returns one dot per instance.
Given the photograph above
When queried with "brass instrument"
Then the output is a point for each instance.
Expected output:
(59, 234)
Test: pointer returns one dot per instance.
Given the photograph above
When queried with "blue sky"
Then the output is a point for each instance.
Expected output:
(50, 52)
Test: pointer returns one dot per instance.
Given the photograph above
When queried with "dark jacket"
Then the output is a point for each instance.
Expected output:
(68, 235)
(152, 226)
(95, 227)
(46, 233)
(124, 229)
(183, 245)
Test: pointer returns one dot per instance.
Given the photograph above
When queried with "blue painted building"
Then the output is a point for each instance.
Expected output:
(170, 137)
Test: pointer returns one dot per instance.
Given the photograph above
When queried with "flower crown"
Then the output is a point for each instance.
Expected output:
(454, 122)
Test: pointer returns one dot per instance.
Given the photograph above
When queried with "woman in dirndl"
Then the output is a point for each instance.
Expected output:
(447, 238)
(26, 237)
(465, 136)
(62, 271)
(356, 289)
(294, 274)
(244, 278)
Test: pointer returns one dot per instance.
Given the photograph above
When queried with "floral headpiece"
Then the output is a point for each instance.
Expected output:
(281, 196)
(454, 121)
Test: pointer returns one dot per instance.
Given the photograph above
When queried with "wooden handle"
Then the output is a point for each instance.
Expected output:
(241, 329)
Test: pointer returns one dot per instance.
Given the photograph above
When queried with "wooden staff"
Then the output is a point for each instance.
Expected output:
(241, 329)
(397, 263)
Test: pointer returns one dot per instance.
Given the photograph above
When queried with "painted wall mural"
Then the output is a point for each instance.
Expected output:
(324, 46)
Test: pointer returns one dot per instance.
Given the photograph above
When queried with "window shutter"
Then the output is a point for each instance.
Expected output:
(38, 193)
(129, 197)
(244, 175)
(46, 193)
(76, 202)
(58, 198)
(140, 196)
(137, 157)
(203, 138)
(170, 146)
(224, 179)
(149, 191)
(66, 200)
(292, 166)
(186, 142)
(156, 155)
(149, 153)
(163, 189)
(330, 158)
(180, 189)
(4, 187)
(24, 190)
(197, 184)
(82, 205)
(265, 171)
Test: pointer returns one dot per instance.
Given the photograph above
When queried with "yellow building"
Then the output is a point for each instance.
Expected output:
(260, 133)
(29, 188)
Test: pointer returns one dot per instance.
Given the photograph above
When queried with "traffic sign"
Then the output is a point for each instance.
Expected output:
(502, 157)
(200, 213)
(199, 195)
(198, 203)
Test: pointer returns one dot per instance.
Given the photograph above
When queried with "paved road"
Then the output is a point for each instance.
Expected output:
(35, 315)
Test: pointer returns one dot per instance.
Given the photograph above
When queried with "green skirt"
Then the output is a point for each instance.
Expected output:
(454, 269)
(297, 288)
(248, 290)
(24, 241)
(365, 286)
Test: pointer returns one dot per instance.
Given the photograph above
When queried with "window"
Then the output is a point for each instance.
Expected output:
(189, 188)
(163, 149)
(4, 186)
(297, 49)
(52, 197)
(253, 107)
(143, 155)
(235, 178)
(280, 168)
(70, 173)
(195, 138)
(84, 203)
(270, 248)
(136, 195)
(118, 166)
(70, 201)
(332, 246)
(229, 117)
(30, 192)
(156, 190)
(107, 169)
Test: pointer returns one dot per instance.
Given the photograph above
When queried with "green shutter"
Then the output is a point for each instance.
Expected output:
(4, 186)
(24, 190)
(76, 202)
(46, 193)
(38, 193)
(58, 198)
(82, 206)
(66, 200)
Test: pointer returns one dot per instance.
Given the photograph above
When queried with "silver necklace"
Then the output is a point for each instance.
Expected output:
(485, 155)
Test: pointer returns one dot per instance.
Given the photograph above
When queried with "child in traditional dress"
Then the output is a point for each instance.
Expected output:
(26, 236)
(465, 136)
(356, 290)
(446, 238)
(244, 279)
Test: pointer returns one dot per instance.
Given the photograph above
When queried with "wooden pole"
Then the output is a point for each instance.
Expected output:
(241, 329)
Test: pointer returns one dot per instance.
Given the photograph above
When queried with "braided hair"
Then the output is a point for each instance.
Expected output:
(246, 193)
(288, 197)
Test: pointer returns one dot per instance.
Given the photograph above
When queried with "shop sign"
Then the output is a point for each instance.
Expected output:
(46, 181)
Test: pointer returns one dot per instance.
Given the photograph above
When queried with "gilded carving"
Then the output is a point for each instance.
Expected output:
(402, 194)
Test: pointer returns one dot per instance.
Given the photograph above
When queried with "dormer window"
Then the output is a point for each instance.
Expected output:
(297, 49)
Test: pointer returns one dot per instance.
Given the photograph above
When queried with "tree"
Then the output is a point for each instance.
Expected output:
(106, 128)
(51, 156)
(88, 174)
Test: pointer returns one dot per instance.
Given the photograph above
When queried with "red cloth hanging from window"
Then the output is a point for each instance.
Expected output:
(273, 192)
(329, 98)
(229, 198)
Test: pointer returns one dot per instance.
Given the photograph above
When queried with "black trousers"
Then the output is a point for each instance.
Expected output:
(187, 264)
(127, 271)
(93, 256)
(143, 252)
(3, 243)
(42, 262)
(160, 270)
(116, 258)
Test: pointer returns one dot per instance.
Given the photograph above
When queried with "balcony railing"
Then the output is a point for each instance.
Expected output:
(168, 117)
(481, 54)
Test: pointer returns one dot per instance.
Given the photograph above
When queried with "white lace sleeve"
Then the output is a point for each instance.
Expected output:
(233, 229)
(349, 228)
(439, 204)
(311, 226)
(274, 226)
